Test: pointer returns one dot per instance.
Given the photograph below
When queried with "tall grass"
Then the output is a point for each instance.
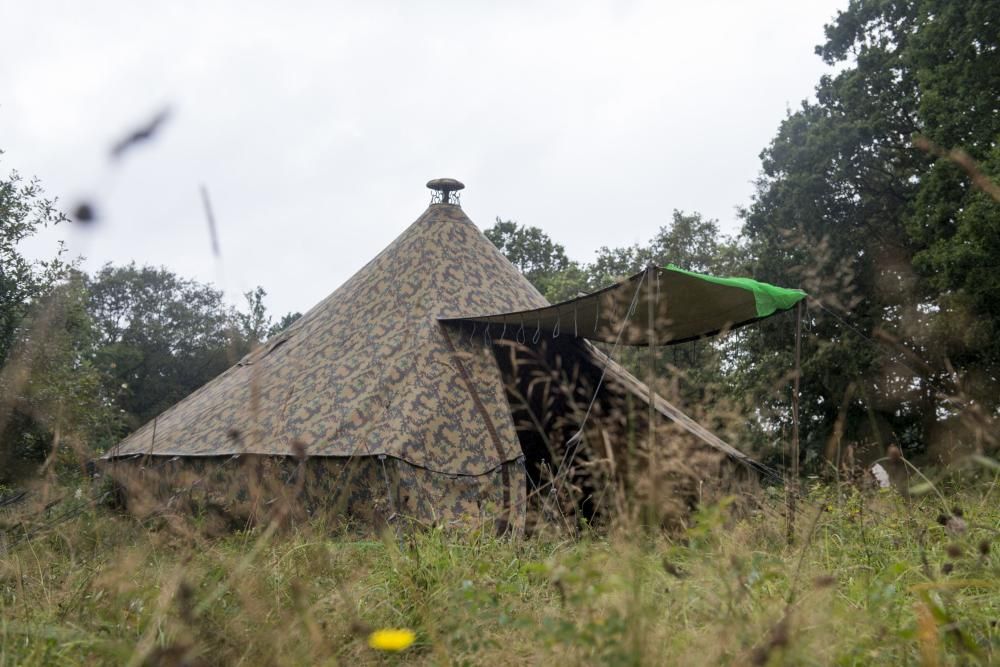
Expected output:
(874, 578)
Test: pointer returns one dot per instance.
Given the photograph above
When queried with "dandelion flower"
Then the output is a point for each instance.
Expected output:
(391, 640)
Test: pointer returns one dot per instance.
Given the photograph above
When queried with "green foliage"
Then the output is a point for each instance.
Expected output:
(53, 398)
(896, 239)
(158, 337)
(543, 262)
(49, 391)
(873, 578)
(689, 241)
(23, 210)
(255, 325)
(286, 320)
(86, 359)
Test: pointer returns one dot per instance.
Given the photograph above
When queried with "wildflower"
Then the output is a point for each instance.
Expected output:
(391, 640)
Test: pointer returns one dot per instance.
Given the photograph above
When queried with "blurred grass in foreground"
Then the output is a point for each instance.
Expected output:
(873, 578)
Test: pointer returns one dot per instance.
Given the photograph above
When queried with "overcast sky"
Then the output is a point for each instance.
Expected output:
(316, 125)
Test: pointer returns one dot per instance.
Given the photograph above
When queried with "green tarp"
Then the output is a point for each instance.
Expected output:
(685, 306)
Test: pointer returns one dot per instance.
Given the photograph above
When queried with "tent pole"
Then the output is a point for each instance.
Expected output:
(794, 488)
(651, 339)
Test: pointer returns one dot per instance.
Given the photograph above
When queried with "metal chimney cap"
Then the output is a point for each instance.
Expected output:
(445, 185)
(443, 189)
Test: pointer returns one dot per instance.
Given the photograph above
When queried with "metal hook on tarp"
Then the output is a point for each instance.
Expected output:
(538, 333)
(503, 334)
(575, 335)
(487, 338)
(520, 337)
(473, 334)
(555, 329)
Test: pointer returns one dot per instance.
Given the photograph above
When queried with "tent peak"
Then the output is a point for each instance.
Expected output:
(443, 190)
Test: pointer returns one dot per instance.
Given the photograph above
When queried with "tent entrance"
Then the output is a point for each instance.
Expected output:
(549, 387)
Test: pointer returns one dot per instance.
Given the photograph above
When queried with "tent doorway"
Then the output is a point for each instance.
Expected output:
(549, 388)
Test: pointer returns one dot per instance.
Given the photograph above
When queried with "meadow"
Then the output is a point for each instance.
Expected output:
(871, 577)
(879, 196)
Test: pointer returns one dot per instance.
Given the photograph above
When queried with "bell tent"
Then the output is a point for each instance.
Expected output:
(412, 391)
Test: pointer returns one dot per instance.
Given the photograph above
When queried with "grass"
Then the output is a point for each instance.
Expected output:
(873, 578)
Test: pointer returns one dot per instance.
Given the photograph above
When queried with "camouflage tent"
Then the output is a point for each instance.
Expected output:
(379, 403)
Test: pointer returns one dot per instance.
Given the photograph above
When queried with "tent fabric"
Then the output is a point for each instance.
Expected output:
(686, 306)
(371, 370)
(768, 298)
(387, 366)
(617, 374)
(369, 491)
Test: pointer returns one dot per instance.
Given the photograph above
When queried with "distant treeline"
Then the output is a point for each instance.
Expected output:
(86, 359)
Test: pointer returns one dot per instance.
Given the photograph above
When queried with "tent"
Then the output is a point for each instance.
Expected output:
(383, 403)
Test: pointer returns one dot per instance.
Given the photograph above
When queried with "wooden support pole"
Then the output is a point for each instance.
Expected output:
(651, 340)
(795, 392)
(792, 485)
(650, 382)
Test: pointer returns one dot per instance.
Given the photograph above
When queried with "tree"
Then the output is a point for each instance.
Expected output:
(689, 241)
(543, 262)
(54, 406)
(287, 320)
(49, 390)
(255, 325)
(23, 210)
(158, 337)
(884, 233)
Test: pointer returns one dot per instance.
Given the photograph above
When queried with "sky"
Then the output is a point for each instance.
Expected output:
(315, 126)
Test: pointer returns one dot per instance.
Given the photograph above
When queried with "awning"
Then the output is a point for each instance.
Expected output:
(685, 306)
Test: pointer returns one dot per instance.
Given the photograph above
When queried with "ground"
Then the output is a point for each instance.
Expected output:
(870, 578)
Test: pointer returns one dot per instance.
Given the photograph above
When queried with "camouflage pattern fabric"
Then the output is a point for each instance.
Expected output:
(364, 491)
(370, 370)
(370, 408)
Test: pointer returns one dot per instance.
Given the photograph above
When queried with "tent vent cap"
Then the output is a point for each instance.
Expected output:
(445, 190)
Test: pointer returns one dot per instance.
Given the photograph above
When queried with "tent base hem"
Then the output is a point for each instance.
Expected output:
(365, 492)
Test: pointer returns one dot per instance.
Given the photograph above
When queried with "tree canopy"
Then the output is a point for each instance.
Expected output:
(883, 232)
(867, 200)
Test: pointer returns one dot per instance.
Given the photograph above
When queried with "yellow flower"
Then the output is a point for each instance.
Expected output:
(391, 640)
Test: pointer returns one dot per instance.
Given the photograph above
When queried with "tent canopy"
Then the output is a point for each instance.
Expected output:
(686, 306)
